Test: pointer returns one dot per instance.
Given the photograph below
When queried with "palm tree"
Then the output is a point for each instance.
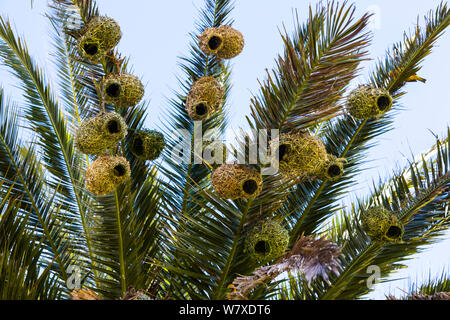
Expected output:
(168, 232)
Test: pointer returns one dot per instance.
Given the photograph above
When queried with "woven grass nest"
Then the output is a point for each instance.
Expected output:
(204, 98)
(99, 134)
(98, 37)
(147, 144)
(122, 90)
(381, 224)
(266, 241)
(367, 102)
(224, 42)
(300, 154)
(106, 173)
(234, 181)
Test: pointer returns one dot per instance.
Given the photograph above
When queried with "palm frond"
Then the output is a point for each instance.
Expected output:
(431, 289)
(236, 216)
(20, 275)
(76, 75)
(312, 203)
(420, 196)
(108, 220)
(405, 58)
(204, 248)
(125, 234)
(197, 64)
(187, 179)
(44, 115)
(20, 168)
(319, 62)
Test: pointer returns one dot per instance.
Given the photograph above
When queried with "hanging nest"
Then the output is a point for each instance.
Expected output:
(211, 40)
(367, 102)
(105, 174)
(300, 154)
(147, 144)
(224, 42)
(381, 224)
(204, 98)
(123, 90)
(234, 181)
(332, 169)
(215, 154)
(266, 241)
(233, 43)
(99, 36)
(97, 135)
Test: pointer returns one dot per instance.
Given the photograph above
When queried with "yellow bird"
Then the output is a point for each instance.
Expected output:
(232, 287)
(413, 78)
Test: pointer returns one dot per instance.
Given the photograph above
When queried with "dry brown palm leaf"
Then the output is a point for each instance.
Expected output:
(312, 257)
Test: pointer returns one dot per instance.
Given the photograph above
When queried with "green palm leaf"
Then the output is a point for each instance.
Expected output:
(318, 64)
(420, 196)
(20, 254)
(313, 203)
(428, 289)
(21, 168)
(180, 188)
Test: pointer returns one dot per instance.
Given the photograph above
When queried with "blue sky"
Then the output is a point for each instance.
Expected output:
(155, 33)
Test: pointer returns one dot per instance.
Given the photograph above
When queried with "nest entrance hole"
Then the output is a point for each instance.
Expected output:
(283, 151)
(113, 90)
(138, 146)
(201, 109)
(262, 247)
(119, 170)
(383, 103)
(113, 126)
(250, 187)
(394, 232)
(334, 170)
(214, 43)
(90, 48)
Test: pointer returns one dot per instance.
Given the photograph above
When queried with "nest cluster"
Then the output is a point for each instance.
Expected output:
(147, 144)
(122, 90)
(381, 224)
(99, 134)
(98, 37)
(224, 42)
(204, 98)
(206, 94)
(106, 173)
(368, 102)
(266, 241)
(234, 181)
